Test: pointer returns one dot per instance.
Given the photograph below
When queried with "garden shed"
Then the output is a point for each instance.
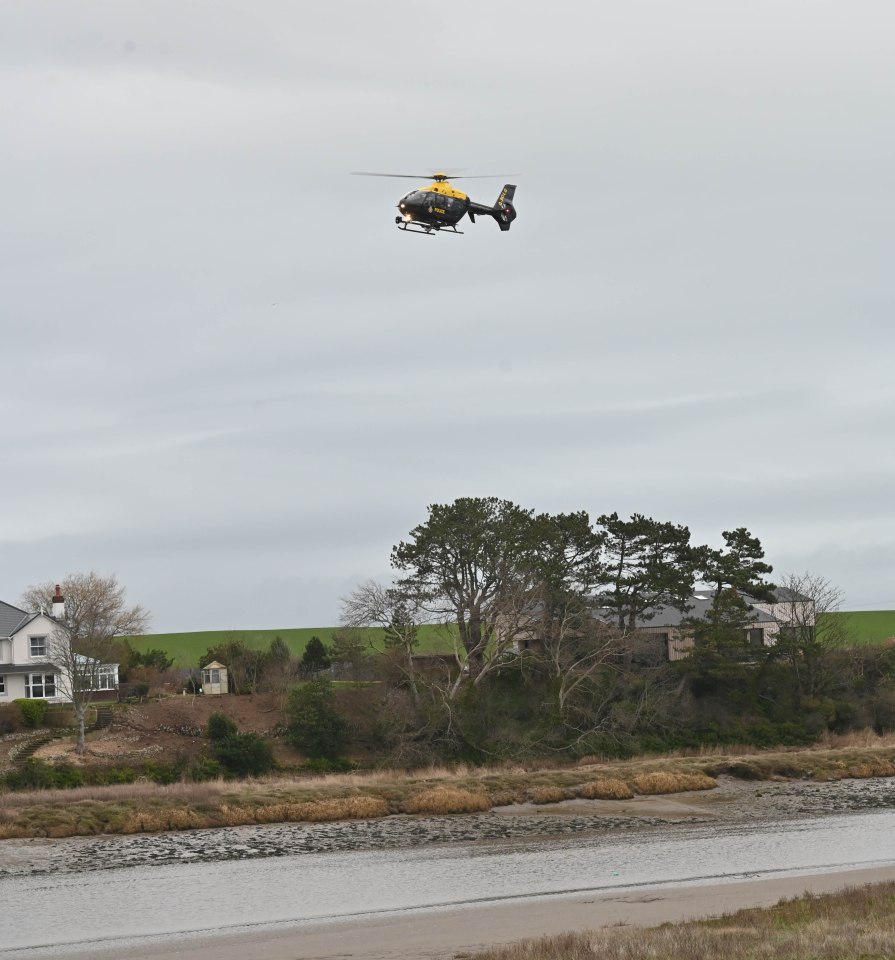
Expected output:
(214, 679)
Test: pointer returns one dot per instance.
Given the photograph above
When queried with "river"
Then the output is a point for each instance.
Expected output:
(115, 908)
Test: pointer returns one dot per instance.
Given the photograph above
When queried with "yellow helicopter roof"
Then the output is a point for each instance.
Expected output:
(444, 187)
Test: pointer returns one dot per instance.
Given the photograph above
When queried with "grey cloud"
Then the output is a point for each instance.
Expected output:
(223, 366)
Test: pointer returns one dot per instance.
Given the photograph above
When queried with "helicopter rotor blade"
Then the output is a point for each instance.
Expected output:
(402, 176)
(432, 176)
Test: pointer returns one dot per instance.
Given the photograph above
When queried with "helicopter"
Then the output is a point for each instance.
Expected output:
(439, 207)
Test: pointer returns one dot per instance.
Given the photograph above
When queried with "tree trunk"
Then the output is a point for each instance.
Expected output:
(80, 716)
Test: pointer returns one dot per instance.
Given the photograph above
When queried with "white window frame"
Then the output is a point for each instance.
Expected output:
(2, 684)
(43, 639)
(105, 678)
(43, 677)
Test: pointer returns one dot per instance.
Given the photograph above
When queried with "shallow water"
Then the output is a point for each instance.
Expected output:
(117, 905)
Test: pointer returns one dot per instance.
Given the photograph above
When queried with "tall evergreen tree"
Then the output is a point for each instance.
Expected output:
(469, 562)
(739, 564)
(648, 564)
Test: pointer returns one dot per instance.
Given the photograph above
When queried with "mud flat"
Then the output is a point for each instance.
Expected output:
(734, 802)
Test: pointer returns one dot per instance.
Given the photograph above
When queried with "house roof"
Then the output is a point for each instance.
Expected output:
(12, 619)
(39, 666)
(700, 604)
(785, 595)
(214, 665)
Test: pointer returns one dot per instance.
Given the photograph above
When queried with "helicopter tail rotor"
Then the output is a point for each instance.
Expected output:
(505, 212)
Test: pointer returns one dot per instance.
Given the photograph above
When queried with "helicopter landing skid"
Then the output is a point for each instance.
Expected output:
(413, 226)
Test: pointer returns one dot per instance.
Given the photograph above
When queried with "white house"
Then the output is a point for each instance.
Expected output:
(26, 667)
(670, 633)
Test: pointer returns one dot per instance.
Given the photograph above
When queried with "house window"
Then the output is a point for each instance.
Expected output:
(212, 676)
(40, 685)
(38, 648)
(105, 678)
(755, 637)
(2, 684)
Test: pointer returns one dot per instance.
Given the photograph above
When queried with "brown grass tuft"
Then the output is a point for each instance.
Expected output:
(660, 782)
(547, 794)
(503, 798)
(609, 788)
(447, 800)
(871, 768)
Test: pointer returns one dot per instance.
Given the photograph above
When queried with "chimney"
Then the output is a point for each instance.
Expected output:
(58, 604)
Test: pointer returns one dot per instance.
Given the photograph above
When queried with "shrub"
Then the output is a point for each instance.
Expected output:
(34, 711)
(37, 775)
(12, 719)
(243, 754)
(324, 765)
(219, 727)
(314, 725)
(205, 768)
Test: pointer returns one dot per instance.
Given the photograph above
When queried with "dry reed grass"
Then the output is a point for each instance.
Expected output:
(861, 770)
(607, 788)
(547, 794)
(120, 793)
(441, 800)
(148, 806)
(662, 782)
(857, 923)
(504, 798)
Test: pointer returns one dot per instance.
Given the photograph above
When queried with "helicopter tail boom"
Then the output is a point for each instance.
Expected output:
(503, 210)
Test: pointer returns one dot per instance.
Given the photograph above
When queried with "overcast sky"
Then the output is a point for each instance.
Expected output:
(229, 379)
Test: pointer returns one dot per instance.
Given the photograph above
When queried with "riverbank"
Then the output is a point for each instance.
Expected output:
(597, 788)
(735, 803)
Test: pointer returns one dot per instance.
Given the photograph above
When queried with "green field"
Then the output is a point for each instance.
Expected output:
(869, 626)
(188, 649)
(866, 626)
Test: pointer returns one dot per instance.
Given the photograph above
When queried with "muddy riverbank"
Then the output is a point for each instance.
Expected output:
(734, 802)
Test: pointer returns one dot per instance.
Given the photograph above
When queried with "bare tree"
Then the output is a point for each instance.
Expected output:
(573, 648)
(398, 613)
(808, 605)
(83, 641)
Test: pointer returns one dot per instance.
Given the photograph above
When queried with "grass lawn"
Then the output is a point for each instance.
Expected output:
(869, 626)
(188, 648)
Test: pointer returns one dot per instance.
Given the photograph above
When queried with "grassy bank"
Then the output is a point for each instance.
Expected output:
(856, 923)
(147, 807)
